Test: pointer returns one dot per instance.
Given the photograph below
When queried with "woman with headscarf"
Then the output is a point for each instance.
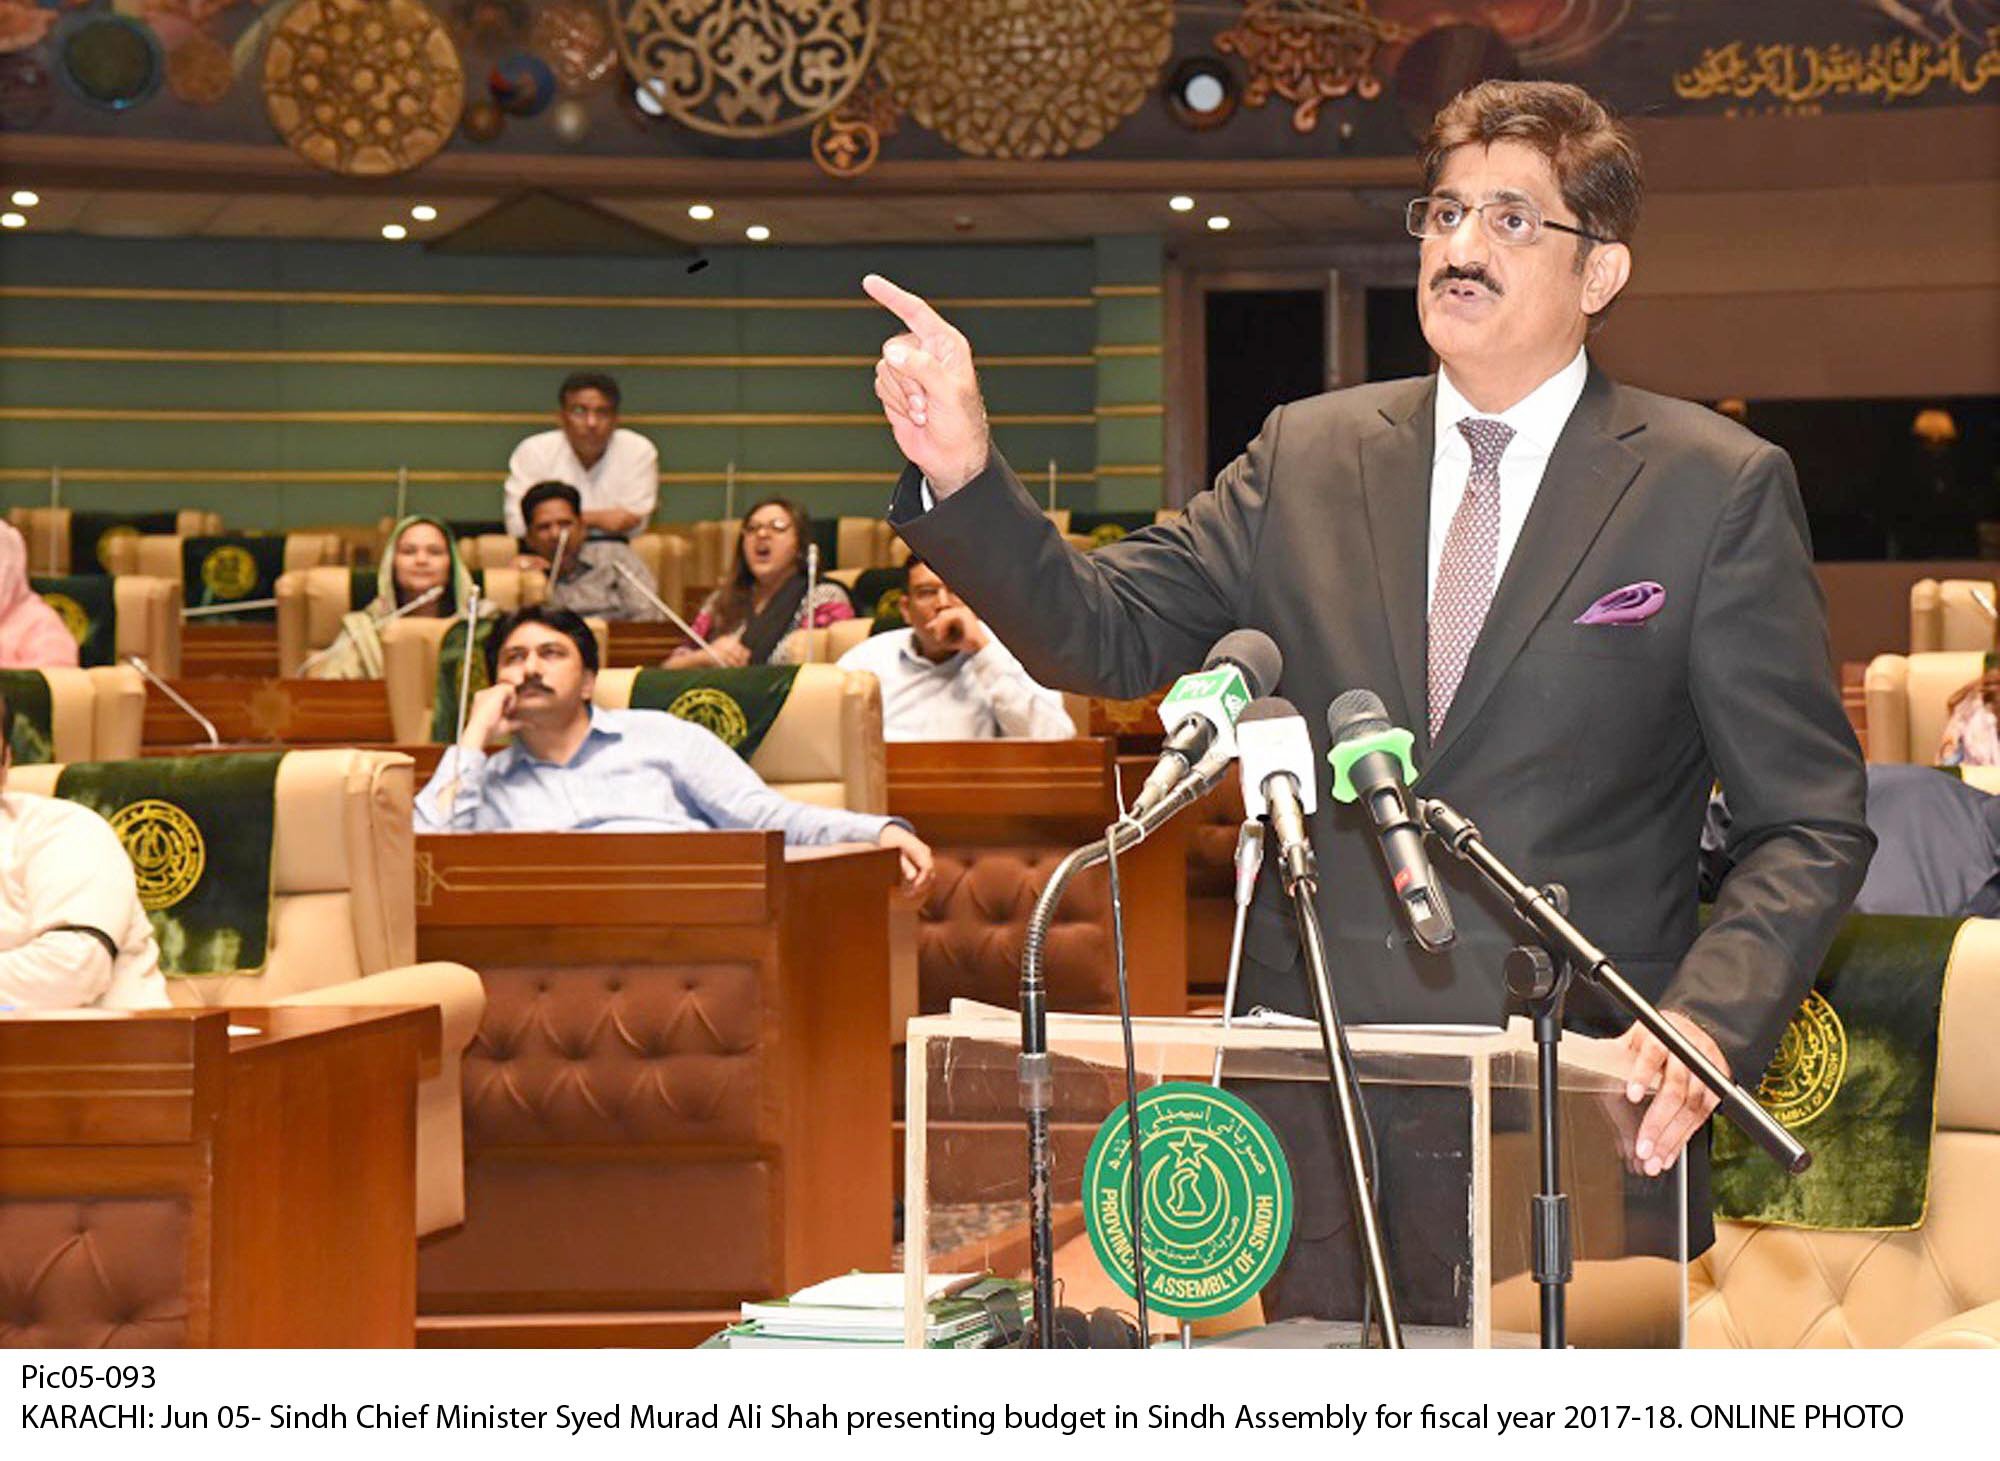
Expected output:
(32, 635)
(748, 619)
(419, 556)
(1972, 727)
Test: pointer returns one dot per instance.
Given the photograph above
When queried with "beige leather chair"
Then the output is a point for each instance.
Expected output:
(312, 602)
(857, 542)
(409, 672)
(118, 714)
(1947, 614)
(490, 550)
(1905, 699)
(714, 556)
(159, 554)
(825, 747)
(843, 636)
(343, 932)
(149, 620)
(72, 714)
(668, 556)
(1937, 1287)
(47, 530)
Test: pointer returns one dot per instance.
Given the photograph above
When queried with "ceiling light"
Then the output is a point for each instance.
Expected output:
(424, 213)
(13, 220)
(756, 233)
(394, 231)
(1218, 221)
(700, 212)
(26, 198)
(1181, 203)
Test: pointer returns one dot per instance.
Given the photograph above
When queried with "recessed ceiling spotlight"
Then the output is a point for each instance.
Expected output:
(700, 212)
(13, 220)
(1181, 203)
(424, 213)
(756, 233)
(25, 198)
(1218, 221)
(394, 231)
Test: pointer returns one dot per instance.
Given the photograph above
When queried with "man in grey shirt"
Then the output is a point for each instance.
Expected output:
(595, 576)
(575, 768)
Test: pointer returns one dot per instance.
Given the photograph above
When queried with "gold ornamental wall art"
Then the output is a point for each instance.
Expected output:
(746, 68)
(1309, 52)
(1024, 78)
(363, 87)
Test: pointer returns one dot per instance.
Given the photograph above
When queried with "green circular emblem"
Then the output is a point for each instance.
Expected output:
(715, 710)
(229, 571)
(71, 613)
(1811, 1060)
(1218, 1199)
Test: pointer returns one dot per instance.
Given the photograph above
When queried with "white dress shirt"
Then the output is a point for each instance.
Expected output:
(969, 697)
(1538, 419)
(63, 870)
(626, 476)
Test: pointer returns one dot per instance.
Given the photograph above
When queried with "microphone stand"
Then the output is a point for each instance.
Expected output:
(1540, 976)
(1037, 1074)
(661, 604)
(146, 673)
(1301, 877)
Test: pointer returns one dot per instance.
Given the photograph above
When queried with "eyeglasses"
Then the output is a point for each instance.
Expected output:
(775, 528)
(930, 593)
(1514, 222)
(591, 413)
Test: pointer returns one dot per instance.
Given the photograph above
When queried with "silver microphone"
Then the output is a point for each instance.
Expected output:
(429, 595)
(661, 604)
(146, 673)
(806, 608)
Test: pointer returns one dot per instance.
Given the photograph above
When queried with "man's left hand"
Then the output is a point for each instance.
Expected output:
(916, 857)
(958, 629)
(1680, 1101)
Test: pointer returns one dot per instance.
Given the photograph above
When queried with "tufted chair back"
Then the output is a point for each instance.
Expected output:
(47, 530)
(668, 555)
(119, 712)
(1947, 614)
(159, 554)
(1906, 698)
(149, 620)
(1936, 1287)
(410, 660)
(714, 551)
(825, 747)
(343, 930)
(975, 920)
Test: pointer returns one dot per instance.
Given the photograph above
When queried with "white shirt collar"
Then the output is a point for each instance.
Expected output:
(1538, 416)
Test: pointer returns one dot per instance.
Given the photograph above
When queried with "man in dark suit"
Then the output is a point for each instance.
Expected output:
(1443, 541)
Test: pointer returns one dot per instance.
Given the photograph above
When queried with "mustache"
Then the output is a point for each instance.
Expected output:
(1470, 273)
(530, 683)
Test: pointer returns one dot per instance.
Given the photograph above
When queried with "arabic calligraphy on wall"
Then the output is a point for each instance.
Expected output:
(1897, 70)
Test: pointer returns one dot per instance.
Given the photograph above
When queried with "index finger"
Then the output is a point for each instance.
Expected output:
(905, 306)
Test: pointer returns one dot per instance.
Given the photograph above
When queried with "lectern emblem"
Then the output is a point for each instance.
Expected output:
(1805, 1074)
(1218, 1199)
(168, 855)
(714, 710)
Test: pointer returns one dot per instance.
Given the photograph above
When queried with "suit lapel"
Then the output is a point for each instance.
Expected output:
(1396, 490)
(1587, 474)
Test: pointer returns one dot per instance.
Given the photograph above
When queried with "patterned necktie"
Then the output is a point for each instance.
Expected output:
(1465, 571)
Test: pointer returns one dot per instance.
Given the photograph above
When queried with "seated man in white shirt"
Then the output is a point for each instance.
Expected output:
(946, 678)
(72, 933)
(575, 768)
(617, 472)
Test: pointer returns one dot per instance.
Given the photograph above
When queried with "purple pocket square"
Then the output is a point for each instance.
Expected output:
(1633, 604)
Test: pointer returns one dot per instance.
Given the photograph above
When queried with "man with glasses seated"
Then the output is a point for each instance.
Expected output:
(946, 678)
(615, 471)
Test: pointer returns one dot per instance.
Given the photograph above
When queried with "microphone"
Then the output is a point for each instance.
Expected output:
(429, 595)
(1277, 767)
(806, 608)
(146, 673)
(1371, 765)
(1200, 710)
(661, 604)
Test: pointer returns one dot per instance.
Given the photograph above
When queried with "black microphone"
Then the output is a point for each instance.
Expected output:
(1371, 764)
(1200, 710)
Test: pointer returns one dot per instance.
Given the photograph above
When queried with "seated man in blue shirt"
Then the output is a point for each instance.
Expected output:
(575, 768)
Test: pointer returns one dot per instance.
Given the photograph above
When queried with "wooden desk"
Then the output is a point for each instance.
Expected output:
(640, 646)
(1002, 813)
(209, 649)
(171, 1184)
(679, 1097)
(271, 711)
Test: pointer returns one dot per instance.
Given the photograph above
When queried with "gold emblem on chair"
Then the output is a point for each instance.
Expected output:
(229, 572)
(890, 605)
(714, 710)
(107, 538)
(168, 855)
(71, 613)
(1806, 1072)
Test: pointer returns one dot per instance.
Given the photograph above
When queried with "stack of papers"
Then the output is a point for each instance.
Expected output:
(867, 1309)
